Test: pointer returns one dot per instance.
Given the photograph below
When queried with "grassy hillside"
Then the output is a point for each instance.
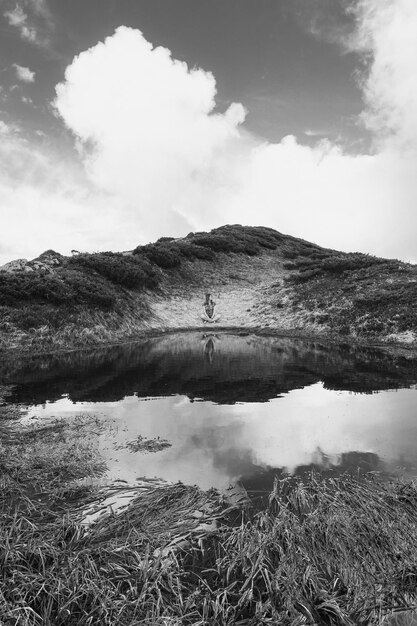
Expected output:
(259, 278)
(355, 294)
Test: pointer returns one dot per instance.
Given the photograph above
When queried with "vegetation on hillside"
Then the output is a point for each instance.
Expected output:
(249, 240)
(92, 298)
(355, 294)
(94, 279)
(99, 293)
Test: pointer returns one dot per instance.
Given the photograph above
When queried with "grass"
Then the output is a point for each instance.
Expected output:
(236, 239)
(100, 297)
(354, 294)
(104, 297)
(45, 327)
(125, 271)
(321, 551)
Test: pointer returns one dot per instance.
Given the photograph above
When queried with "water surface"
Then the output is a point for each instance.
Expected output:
(235, 409)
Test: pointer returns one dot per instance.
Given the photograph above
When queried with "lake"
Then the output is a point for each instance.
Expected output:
(223, 409)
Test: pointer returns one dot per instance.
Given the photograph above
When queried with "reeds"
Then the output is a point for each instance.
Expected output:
(336, 552)
(323, 551)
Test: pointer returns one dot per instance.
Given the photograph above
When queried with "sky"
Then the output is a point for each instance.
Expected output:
(122, 121)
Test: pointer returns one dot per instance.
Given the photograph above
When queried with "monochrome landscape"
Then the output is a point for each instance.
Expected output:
(208, 312)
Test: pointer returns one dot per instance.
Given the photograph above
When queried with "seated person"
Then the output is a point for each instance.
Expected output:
(209, 316)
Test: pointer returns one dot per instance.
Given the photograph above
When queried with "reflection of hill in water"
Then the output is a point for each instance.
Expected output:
(258, 481)
(223, 368)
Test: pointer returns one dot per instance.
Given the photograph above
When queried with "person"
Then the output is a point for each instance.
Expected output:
(209, 315)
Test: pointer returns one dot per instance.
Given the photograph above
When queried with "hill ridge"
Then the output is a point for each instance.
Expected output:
(259, 277)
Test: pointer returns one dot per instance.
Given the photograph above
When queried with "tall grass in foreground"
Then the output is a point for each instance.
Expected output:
(322, 551)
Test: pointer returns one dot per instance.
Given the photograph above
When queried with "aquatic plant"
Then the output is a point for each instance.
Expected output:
(145, 444)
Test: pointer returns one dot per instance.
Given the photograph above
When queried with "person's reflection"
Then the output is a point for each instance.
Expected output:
(209, 349)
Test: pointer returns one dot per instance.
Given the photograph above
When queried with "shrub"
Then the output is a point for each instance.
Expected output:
(68, 286)
(15, 288)
(229, 239)
(250, 239)
(95, 291)
(165, 239)
(33, 316)
(267, 243)
(303, 277)
(217, 243)
(127, 271)
(191, 251)
(164, 256)
(289, 254)
(348, 262)
(228, 244)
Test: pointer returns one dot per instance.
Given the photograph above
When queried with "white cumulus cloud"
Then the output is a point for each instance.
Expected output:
(45, 203)
(149, 136)
(388, 33)
(147, 125)
(161, 160)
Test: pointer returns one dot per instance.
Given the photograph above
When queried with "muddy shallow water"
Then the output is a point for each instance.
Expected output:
(221, 409)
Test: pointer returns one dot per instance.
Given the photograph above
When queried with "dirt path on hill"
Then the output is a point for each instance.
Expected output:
(235, 306)
(241, 298)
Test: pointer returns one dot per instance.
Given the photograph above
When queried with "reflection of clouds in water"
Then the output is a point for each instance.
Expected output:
(212, 445)
(204, 441)
(335, 422)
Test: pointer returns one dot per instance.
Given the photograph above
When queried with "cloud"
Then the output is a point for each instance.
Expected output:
(8, 128)
(40, 8)
(327, 20)
(19, 19)
(162, 134)
(148, 135)
(160, 160)
(33, 22)
(387, 33)
(24, 73)
(45, 202)
(4, 128)
(310, 132)
(16, 17)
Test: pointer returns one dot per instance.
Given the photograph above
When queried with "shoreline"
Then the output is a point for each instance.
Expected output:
(313, 549)
(318, 549)
(263, 282)
(395, 348)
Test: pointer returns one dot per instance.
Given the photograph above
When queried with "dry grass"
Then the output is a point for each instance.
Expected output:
(79, 327)
(354, 295)
(334, 552)
(326, 293)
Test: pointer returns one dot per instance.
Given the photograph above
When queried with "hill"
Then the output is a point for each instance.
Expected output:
(259, 278)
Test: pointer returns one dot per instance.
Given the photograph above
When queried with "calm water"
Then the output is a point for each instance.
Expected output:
(234, 408)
